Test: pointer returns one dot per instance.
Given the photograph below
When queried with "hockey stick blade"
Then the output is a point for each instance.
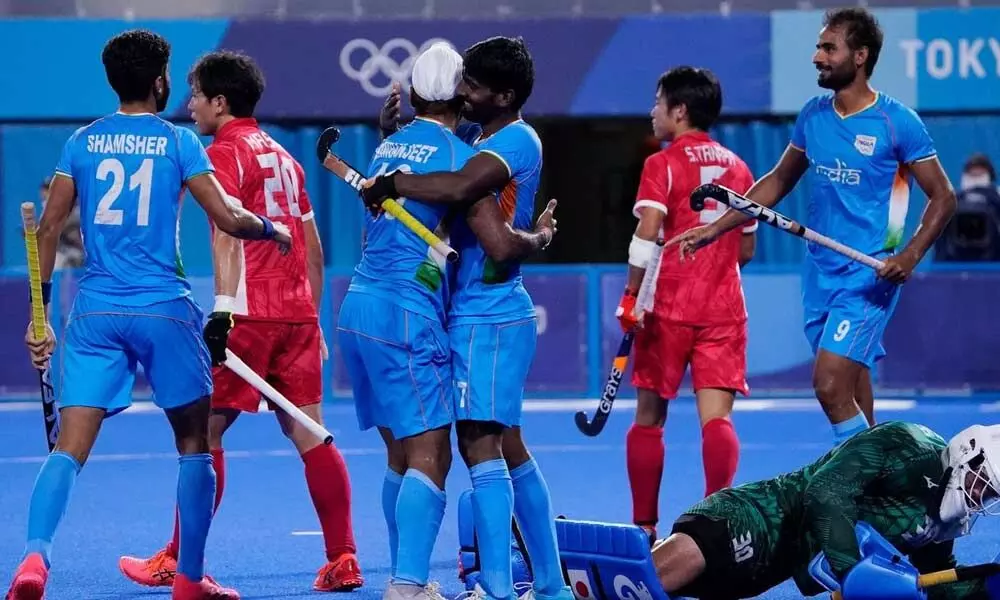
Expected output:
(594, 426)
(329, 137)
(744, 205)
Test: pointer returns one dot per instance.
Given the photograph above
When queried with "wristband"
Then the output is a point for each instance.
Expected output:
(226, 304)
(640, 251)
(268, 228)
(46, 293)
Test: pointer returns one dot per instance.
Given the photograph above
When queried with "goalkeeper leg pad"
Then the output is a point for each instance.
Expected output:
(607, 561)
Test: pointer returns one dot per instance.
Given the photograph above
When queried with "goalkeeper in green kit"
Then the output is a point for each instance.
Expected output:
(864, 520)
(897, 489)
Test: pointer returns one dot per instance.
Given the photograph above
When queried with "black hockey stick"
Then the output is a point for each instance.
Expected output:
(773, 218)
(644, 302)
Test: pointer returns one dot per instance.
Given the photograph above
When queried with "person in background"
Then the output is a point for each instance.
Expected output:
(978, 172)
(973, 235)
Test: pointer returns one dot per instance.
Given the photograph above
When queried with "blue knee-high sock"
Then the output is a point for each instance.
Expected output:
(49, 499)
(390, 492)
(493, 509)
(846, 429)
(419, 510)
(195, 502)
(533, 508)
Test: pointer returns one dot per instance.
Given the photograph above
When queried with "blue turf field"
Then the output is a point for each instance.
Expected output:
(264, 541)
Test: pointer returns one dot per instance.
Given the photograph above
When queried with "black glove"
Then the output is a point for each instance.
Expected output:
(382, 187)
(216, 335)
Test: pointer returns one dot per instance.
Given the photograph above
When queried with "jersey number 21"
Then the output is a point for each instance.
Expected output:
(142, 179)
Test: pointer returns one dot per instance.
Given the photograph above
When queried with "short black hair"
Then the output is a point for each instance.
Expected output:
(133, 60)
(861, 29)
(502, 63)
(232, 75)
(697, 89)
(981, 161)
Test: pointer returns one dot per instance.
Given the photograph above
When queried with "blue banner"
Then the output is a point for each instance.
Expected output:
(955, 58)
(339, 69)
(939, 59)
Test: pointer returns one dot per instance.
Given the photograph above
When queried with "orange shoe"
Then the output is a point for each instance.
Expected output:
(206, 589)
(158, 570)
(29, 580)
(340, 575)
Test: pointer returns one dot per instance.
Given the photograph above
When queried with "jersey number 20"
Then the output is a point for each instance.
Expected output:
(283, 179)
(142, 178)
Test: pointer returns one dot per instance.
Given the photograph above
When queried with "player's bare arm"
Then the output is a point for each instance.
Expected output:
(231, 218)
(768, 191)
(941, 205)
(227, 260)
(314, 259)
(314, 271)
(62, 196)
(483, 173)
(500, 241)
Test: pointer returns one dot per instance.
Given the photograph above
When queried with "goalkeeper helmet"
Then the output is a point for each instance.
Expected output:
(972, 475)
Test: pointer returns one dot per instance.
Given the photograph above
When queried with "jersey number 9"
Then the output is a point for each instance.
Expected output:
(142, 178)
(283, 179)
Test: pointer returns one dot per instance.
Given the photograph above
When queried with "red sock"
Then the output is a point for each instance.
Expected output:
(720, 451)
(644, 451)
(219, 466)
(330, 488)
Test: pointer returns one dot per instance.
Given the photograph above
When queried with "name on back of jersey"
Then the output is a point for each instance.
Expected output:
(418, 153)
(710, 153)
(126, 143)
(260, 141)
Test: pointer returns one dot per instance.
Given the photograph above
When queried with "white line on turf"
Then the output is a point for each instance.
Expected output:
(575, 404)
(379, 452)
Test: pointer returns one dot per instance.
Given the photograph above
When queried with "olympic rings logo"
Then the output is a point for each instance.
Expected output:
(382, 60)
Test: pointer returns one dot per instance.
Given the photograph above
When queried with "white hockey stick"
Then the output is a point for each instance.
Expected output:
(247, 374)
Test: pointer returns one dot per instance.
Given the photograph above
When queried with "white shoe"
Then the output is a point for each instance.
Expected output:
(409, 591)
(478, 593)
(524, 591)
(433, 591)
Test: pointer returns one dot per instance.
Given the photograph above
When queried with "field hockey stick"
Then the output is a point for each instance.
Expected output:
(38, 321)
(950, 576)
(236, 365)
(643, 303)
(775, 219)
(353, 178)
